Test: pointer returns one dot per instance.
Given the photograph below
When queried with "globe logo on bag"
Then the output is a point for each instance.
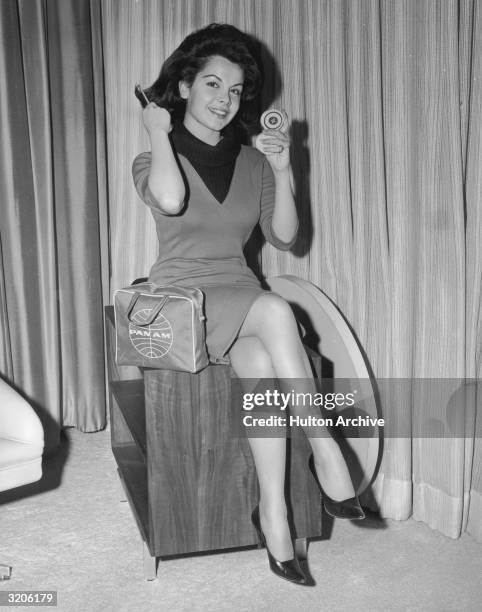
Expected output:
(151, 341)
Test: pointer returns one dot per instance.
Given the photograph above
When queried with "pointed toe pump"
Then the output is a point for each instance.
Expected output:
(346, 509)
(288, 570)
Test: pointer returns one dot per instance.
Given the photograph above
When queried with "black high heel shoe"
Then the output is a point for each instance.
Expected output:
(289, 570)
(346, 509)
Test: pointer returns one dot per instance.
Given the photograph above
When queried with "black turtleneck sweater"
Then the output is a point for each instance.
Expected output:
(214, 164)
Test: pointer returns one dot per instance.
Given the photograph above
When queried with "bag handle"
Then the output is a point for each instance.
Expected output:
(154, 313)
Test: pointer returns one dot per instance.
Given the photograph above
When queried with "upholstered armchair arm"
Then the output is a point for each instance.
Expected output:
(18, 420)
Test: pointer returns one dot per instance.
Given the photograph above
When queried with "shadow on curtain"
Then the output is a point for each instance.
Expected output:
(52, 225)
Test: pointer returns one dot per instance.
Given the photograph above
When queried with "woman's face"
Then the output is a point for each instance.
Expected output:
(213, 99)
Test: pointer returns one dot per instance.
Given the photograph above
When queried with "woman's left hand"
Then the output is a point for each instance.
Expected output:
(275, 144)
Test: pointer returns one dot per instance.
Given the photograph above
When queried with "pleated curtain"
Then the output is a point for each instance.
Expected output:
(53, 221)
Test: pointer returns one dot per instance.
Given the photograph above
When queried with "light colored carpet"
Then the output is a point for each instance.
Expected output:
(70, 533)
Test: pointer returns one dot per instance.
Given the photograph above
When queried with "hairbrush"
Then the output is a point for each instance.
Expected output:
(140, 95)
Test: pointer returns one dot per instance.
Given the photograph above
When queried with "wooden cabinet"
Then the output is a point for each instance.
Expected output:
(188, 475)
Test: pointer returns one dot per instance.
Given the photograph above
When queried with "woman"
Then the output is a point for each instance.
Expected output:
(207, 192)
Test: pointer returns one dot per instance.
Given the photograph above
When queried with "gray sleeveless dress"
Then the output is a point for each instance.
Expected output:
(203, 245)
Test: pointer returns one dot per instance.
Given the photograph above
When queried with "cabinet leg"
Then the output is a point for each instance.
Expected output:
(301, 548)
(150, 569)
(5, 572)
(121, 489)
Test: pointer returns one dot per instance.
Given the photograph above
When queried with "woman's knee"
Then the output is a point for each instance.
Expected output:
(270, 312)
(250, 359)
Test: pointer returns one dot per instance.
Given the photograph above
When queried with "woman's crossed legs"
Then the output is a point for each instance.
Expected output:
(269, 345)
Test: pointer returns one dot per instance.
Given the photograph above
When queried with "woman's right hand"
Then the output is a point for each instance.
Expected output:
(156, 118)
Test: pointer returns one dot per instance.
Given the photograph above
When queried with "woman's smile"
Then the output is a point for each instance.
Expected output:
(219, 113)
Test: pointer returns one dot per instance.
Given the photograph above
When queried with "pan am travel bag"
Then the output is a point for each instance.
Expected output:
(160, 327)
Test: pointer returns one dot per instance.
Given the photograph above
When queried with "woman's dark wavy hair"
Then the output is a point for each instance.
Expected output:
(193, 54)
